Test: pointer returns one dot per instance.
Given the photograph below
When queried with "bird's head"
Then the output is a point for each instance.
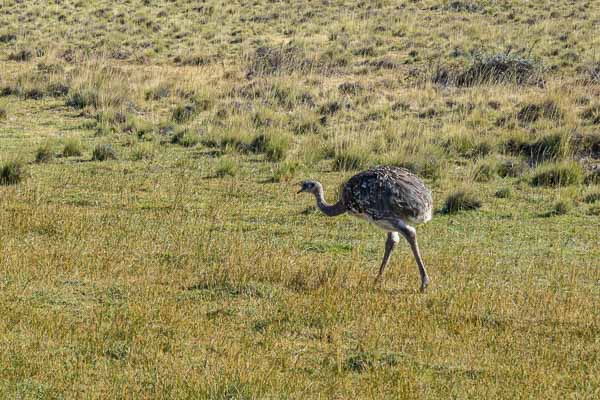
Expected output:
(309, 187)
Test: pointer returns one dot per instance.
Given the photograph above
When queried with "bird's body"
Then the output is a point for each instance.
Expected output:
(390, 198)
(385, 193)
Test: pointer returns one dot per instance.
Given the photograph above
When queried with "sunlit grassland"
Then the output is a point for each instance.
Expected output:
(189, 267)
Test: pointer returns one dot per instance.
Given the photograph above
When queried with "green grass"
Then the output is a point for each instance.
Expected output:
(188, 267)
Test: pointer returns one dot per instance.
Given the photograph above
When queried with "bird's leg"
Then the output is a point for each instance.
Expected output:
(392, 240)
(411, 236)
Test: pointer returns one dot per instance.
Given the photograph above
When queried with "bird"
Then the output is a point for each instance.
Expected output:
(392, 198)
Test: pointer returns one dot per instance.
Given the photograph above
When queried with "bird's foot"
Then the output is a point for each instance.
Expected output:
(424, 284)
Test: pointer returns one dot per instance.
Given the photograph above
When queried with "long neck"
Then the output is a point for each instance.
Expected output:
(331, 210)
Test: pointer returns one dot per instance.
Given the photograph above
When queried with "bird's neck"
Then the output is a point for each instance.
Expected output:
(331, 210)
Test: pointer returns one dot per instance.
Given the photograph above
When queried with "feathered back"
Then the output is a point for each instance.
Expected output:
(388, 193)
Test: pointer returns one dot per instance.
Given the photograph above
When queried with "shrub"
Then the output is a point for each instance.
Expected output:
(460, 201)
(72, 148)
(12, 172)
(104, 152)
(567, 173)
(44, 153)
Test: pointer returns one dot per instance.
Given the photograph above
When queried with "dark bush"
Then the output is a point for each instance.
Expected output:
(542, 149)
(350, 88)
(21, 55)
(12, 172)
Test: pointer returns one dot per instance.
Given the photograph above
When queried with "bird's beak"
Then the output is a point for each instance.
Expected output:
(300, 191)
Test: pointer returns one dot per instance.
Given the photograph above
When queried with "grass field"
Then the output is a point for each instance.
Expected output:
(152, 244)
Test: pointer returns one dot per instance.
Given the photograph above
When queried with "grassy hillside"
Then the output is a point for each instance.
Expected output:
(152, 244)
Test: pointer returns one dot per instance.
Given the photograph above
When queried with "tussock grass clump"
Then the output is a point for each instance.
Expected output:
(72, 148)
(21, 55)
(144, 151)
(3, 114)
(484, 171)
(104, 152)
(558, 174)
(561, 207)
(532, 112)
(274, 146)
(138, 126)
(493, 69)
(44, 153)
(547, 147)
(286, 171)
(360, 362)
(85, 97)
(226, 167)
(307, 123)
(284, 59)
(184, 112)
(186, 137)
(468, 146)
(424, 166)
(592, 198)
(461, 200)
(351, 158)
(350, 88)
(592, 114)
(592, 178)
(503, 193)
(12, 172)
(511, 168)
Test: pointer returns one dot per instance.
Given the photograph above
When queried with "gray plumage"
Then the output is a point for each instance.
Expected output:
(389, 197)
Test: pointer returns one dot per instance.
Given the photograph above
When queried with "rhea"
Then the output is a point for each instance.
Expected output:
(392, 198)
